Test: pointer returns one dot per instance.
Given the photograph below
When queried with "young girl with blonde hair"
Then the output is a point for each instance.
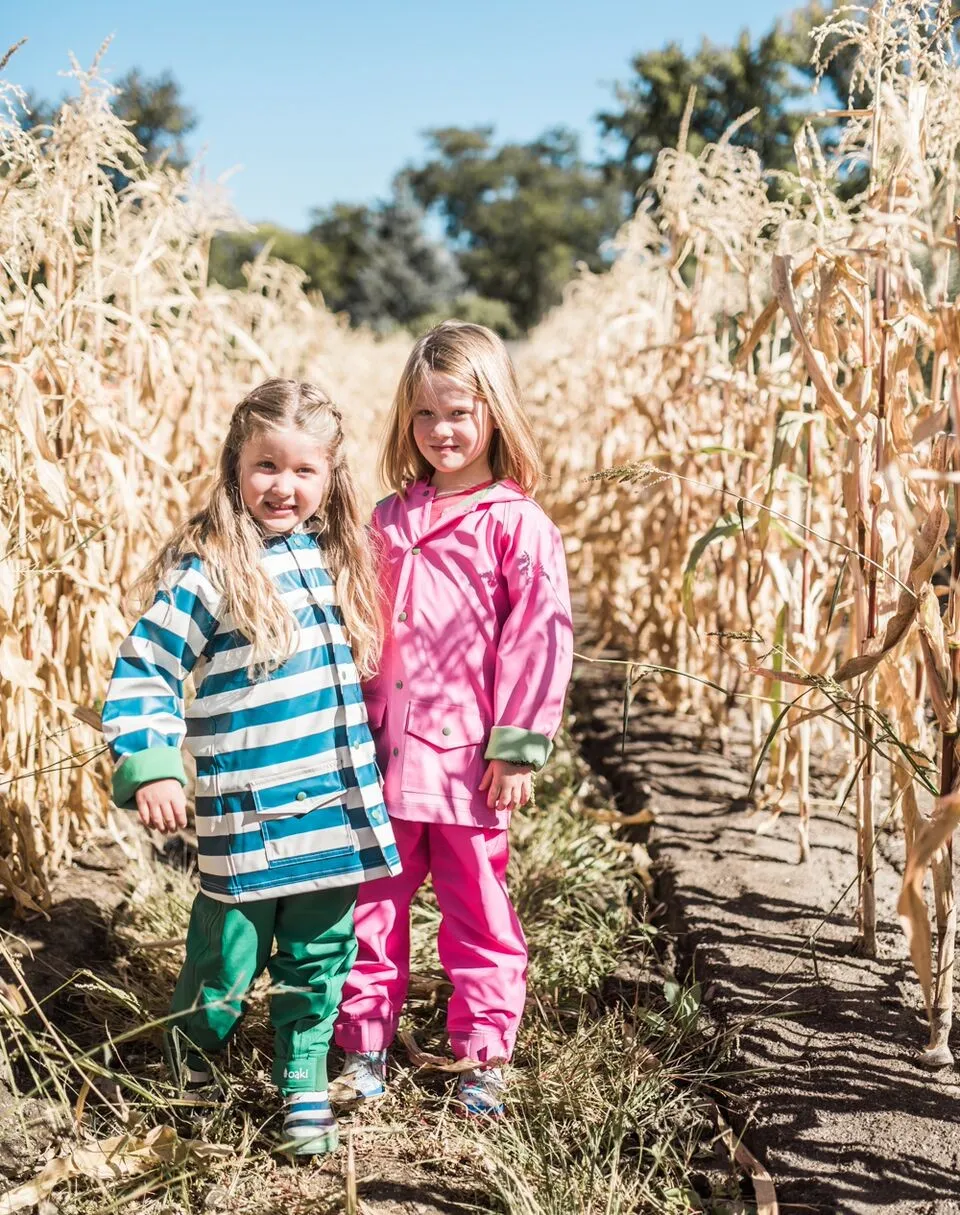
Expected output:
(467, 698)
(260, 597)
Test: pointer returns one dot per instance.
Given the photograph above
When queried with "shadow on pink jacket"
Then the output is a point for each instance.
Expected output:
(478, 650)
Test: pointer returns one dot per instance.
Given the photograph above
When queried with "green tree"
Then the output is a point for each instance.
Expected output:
(520, 216)
(388, 269)
(231, 251)
(157, 114)
(729, 82)
(772, 75)
(375, 263)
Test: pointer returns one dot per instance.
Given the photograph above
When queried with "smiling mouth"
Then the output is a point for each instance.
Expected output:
(278, 509)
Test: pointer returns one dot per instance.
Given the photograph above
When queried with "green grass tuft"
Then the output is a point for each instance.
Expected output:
(609, 1100)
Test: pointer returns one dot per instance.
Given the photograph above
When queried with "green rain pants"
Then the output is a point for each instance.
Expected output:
(228, 946)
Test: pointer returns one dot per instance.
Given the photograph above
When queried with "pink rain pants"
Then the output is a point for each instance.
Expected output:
(480, 942)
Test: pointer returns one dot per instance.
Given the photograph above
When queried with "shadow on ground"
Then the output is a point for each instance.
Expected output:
(830, 1097)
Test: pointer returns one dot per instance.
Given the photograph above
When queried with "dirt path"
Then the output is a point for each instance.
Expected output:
(830, 1098)
(627, 1137)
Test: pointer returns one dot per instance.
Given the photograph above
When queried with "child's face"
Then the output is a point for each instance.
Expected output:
(284, 476)
(451, 427)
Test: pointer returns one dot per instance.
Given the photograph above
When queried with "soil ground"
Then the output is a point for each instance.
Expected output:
(87, 900)
(610, 1099)
(830, 1097)
(828, 1094)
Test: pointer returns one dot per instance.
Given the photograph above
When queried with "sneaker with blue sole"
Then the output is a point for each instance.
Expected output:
(480, 1092)
(363, 1078)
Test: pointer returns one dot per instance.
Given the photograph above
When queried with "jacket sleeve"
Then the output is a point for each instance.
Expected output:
(143, 717)
(535, 652)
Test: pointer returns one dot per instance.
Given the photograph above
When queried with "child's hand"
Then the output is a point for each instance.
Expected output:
(510, 785)
(161, 804)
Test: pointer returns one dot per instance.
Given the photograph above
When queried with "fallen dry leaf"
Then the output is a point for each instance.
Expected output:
(113, 1159)
(640, 819)
(762, 1181)
(439, 1063)
(11, 999)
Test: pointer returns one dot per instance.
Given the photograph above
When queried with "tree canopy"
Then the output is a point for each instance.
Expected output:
(494, 230)
(521, 216)
(770, 77)
(376, 263)
(157, 114)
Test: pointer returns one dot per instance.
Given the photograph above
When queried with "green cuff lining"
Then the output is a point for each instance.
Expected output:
(518, 746)
(158, 763)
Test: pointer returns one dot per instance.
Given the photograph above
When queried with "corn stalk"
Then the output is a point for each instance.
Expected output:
(120, 365)
(802, 543)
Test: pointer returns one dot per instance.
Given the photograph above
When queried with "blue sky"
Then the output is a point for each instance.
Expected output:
(326, 100)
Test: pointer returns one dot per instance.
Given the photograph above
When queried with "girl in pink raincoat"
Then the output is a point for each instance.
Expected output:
(469, 695)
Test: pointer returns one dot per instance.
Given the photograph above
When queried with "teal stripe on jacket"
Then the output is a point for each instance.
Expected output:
(288, 795)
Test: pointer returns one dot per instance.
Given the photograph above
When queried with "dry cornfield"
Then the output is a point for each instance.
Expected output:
(119, 366)
(767, 384)
(765, 389)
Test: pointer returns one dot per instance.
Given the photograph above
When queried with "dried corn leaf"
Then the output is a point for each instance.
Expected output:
(440, 1063)
(937, 660)
(927, 547)
(763, 1186)
(21, 896)
(802, 681)
(765, 319)
(114, 1159)
(89, 717)
(835, 405)
(911, 906)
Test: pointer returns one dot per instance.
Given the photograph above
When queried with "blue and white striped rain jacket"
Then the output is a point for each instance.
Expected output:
(288, 795)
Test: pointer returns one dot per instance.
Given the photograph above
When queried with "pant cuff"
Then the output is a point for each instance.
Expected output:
(481, 1046)
(364, 1035)
(301, 1075)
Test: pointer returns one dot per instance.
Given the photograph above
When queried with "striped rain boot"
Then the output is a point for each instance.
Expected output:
(309, 1127)
(196, 1079)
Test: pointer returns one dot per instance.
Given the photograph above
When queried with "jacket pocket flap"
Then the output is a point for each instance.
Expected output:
(446, 726)
(295, 793)
(323, 833)
(376, 710)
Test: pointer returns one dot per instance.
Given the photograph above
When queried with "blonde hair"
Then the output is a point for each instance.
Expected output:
(477, 360)
(228, 540)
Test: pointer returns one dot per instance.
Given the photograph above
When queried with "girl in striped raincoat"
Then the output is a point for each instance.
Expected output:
(267, 597)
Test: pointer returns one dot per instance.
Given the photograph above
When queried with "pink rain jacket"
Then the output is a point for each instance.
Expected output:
(478, 651)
